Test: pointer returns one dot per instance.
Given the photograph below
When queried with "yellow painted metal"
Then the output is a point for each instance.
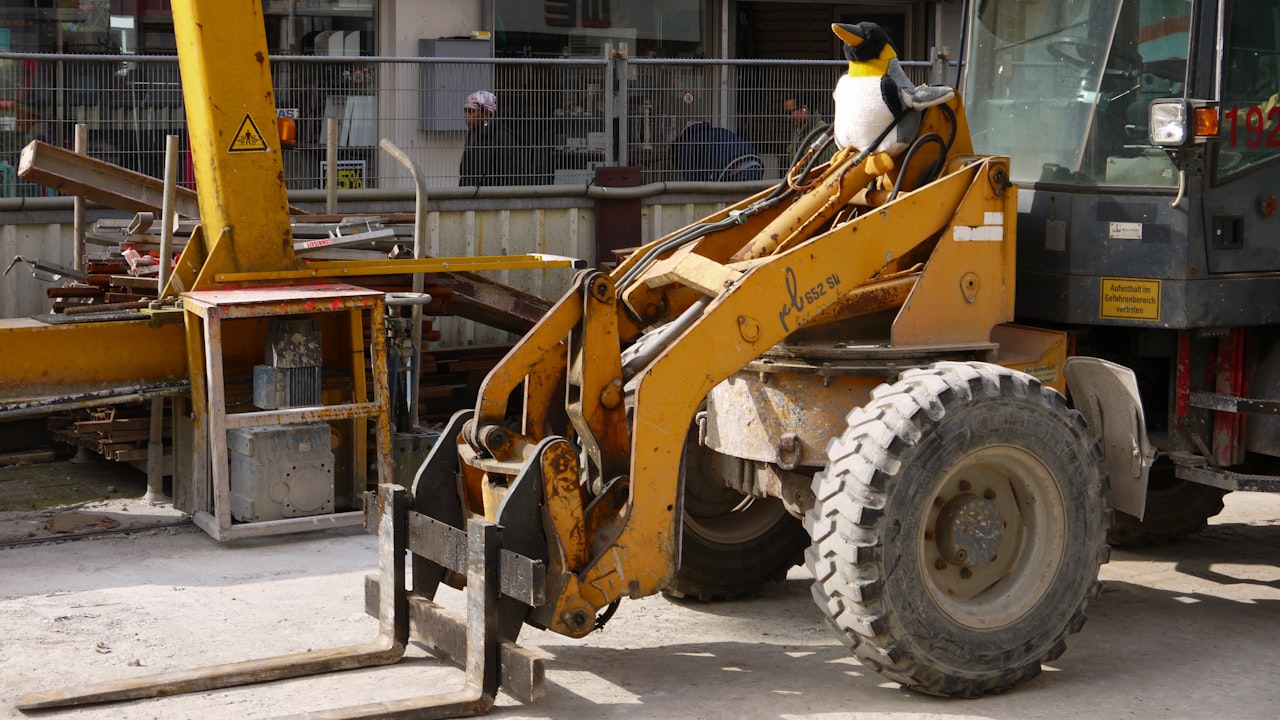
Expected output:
(543, 386)
(968, 283)
(594, 393)
(566, 501)
(362, 268)
(780, 296)
(41, 360)
(231, 115)
(837, 187)
(528, 353)
(1039, 352)
(360, 393)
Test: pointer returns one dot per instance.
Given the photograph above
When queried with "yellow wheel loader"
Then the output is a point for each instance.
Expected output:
(665, 423)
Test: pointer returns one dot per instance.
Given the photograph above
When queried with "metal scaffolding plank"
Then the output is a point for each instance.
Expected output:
(99, 181)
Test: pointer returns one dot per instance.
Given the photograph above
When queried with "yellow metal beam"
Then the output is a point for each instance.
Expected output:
(235, 148)
(41, 360)
(363, 268)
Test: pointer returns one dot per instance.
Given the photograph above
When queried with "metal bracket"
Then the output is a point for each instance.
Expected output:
(46, 270)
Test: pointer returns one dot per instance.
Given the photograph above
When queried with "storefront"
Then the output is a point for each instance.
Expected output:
(145, 27)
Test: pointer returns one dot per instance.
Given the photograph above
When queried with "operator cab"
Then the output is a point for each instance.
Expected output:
(1184, 210)
(1063, 88)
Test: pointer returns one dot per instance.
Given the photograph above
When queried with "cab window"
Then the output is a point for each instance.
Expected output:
(1249, 130)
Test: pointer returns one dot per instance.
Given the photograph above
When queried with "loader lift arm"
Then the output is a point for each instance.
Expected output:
(613, 524)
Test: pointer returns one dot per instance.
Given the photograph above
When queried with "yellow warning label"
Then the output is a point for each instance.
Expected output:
(248, 138)
(1129, 299)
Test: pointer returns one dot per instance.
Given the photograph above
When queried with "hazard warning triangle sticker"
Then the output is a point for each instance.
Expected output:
(248, 138)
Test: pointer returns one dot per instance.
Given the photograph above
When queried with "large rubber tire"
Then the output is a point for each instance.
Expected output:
(1175, 508)
(959, 528)
(733, 545)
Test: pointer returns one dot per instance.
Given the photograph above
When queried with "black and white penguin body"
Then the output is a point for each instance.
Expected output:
(875, 90)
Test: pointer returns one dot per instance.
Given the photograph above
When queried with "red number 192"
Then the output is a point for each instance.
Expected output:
(1255, 127)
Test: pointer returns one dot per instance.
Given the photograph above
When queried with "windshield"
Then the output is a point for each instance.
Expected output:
(1062, 88)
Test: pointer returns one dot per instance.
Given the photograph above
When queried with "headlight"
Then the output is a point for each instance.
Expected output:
(1167, 122)
(1175, 122)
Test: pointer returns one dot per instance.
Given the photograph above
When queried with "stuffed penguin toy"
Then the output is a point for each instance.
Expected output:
(875, 90)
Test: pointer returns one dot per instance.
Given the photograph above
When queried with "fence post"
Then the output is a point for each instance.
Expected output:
(610, 107)
(938, 69)
(623, 108)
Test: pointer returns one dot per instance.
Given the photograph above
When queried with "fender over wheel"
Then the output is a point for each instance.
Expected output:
(959, 528)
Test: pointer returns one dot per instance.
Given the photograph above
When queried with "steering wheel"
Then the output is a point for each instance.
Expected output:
(1083, 54)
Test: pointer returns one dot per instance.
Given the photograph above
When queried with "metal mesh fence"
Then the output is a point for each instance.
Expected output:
(557, 120)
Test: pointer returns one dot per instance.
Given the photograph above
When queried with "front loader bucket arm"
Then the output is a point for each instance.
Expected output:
(765, 305)
(610, 536)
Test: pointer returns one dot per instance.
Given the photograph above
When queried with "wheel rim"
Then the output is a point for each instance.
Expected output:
(724, 515)
(992, 537)
(737, 523)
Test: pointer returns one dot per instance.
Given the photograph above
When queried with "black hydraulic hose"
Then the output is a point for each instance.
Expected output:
(780, 191)
(823, 129)
(955, 126)
(695, 232)
(936, 168)
(931, 174)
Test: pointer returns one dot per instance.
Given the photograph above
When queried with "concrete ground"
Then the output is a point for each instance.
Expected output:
(1188, 630)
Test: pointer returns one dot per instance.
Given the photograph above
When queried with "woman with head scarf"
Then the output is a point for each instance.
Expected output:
(490, 155)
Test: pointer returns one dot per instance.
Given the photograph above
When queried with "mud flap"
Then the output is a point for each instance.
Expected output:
(1106, 394)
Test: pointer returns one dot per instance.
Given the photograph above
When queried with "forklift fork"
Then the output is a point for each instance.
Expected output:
(476, 641)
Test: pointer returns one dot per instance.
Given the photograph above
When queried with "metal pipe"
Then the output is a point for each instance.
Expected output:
(331, 166)
(155, 452)
(44, 406)
(78, 204)
(419, 252)
(167, 216)
(651, 345)
(736, 190)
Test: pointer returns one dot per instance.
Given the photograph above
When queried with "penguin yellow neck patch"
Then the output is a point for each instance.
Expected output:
(870, 68)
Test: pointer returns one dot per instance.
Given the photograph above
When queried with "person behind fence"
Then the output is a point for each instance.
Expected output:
(490, 155)
(706, 153)
(802, 111)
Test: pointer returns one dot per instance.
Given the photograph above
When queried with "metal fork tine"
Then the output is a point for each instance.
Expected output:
(481, 685)
(388, 648)
(216, 676)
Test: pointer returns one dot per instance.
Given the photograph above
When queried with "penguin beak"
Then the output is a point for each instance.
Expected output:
(848, 33)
